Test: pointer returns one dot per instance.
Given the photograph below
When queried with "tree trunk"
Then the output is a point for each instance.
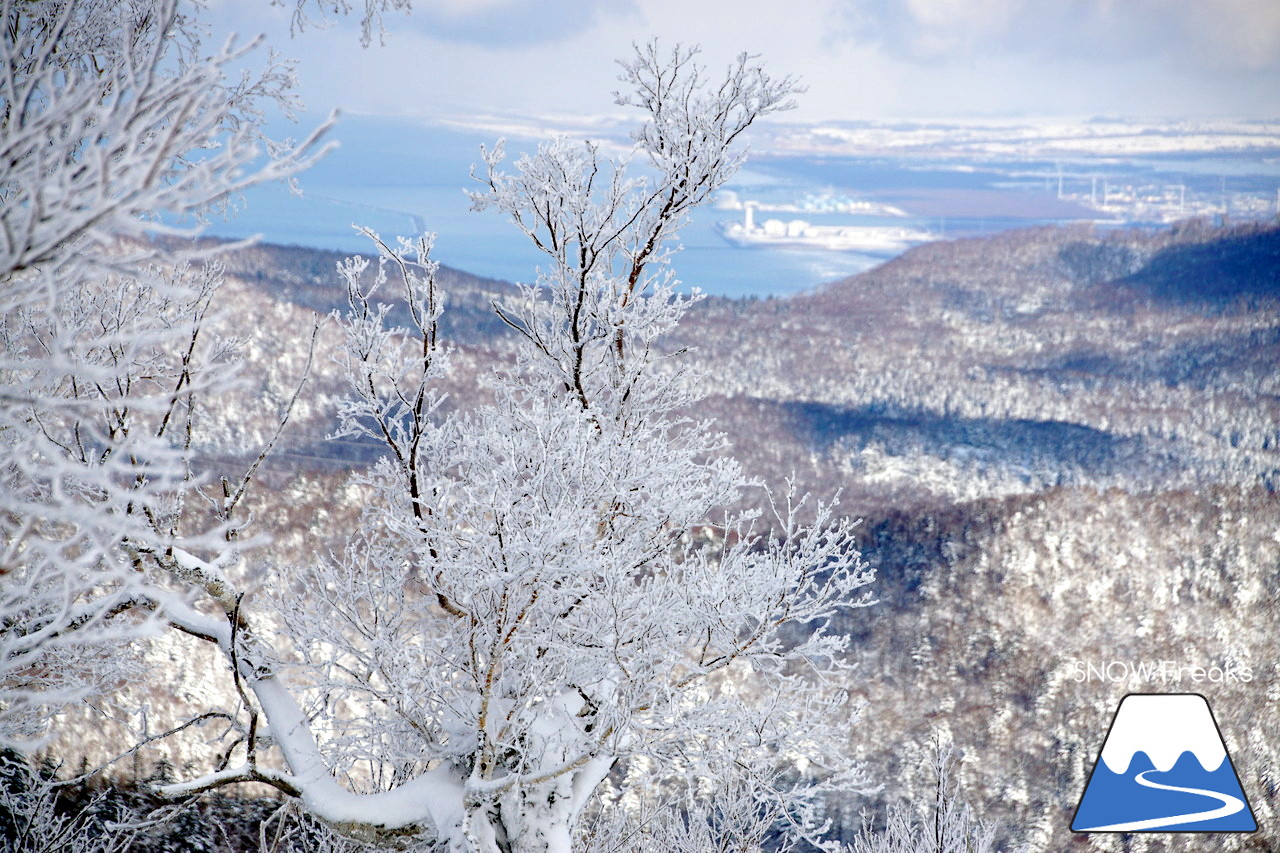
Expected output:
(544, 817)
(538, 818)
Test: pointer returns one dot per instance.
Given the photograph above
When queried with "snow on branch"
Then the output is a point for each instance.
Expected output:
(115, 123)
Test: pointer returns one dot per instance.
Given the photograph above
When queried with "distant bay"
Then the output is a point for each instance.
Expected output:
(401, 176)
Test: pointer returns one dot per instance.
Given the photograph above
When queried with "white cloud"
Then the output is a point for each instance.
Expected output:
(464, 8)
(860, 58)
(1239, 32)
(949, 24)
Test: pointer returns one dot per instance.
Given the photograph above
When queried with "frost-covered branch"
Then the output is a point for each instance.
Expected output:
(116, 124)
(372, 14)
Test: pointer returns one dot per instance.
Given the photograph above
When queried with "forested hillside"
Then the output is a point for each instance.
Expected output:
(1019, 362)
(1064, 444)
(1066, 447)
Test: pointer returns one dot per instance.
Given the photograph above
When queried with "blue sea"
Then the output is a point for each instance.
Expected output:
(401, 176)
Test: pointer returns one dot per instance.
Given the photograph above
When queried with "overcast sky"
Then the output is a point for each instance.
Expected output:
(861, 59)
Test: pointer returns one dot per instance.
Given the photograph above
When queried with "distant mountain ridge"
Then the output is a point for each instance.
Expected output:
(1025, 360)
(1054, 348)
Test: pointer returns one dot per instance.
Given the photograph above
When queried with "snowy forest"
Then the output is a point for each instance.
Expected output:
(302, 551)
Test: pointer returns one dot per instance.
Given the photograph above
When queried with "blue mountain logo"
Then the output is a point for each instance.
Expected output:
(1164, 768)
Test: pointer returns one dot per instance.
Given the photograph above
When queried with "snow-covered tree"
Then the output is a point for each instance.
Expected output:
(943, 823)
(546, 591)
(114, 124)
